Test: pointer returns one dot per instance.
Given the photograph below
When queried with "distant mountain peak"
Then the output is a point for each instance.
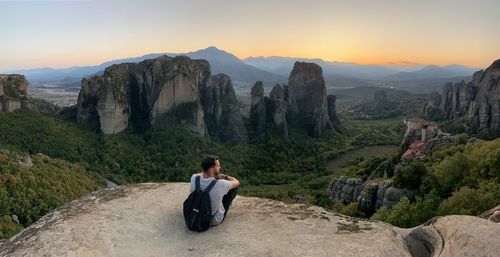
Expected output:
(214, 52)
(213, 48)
(432, 66)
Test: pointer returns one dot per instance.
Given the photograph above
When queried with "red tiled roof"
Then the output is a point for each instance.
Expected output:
(418, 145)
(415, 151)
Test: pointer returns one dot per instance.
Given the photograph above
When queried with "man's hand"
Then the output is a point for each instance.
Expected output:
(226, 177)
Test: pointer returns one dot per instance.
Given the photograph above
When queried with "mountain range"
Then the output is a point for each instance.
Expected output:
(269, 70)
(220, 62)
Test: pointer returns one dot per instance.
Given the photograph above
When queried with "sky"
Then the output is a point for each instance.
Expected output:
(64, 33)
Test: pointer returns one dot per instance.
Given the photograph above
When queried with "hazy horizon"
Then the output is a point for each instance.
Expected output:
(62, 34)
(402, 64)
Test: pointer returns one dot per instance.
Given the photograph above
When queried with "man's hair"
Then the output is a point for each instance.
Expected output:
(208, 162)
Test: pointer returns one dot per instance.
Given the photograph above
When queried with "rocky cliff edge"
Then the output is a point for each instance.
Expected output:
(147, 220)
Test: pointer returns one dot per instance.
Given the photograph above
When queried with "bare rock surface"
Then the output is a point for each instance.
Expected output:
(307, 97)
(158, 93)
(146, 220)
(478, 102)
(162, 93)
(277, 108)
(222, 114)
(258, 112)
(13, 85)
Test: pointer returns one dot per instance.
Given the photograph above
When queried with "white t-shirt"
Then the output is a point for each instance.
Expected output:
(218, 191)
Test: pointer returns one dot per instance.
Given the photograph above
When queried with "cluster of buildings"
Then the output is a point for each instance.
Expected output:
(418, 132)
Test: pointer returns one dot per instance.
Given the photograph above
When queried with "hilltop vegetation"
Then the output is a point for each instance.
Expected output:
(31, 192)
(34, 132)
(457, 180)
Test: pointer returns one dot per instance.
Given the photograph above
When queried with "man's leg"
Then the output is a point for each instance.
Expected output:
(228, 199)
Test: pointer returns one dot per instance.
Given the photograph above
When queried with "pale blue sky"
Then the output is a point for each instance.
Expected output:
(67, 33)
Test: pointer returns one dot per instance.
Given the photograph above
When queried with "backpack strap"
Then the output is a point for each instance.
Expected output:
(212, 184)
(209, 187)
(197, 182)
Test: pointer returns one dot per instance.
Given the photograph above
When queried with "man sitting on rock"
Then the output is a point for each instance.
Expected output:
(224, 191)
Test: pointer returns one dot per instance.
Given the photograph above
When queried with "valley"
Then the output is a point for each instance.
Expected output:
(328, 128)
(285, 159)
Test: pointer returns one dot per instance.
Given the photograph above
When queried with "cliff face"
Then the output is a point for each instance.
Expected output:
(307, 97)
(369, 196)
(14, 96)
(13, 92)
(13, 85)
(332, 112)
(147, 220)
(277, 108)
(377, 105)
(431, 108)
(222, 114)
(457, 99)
(258, 112)
(161, 93)
(151, 93)
(267, 112)
(304, 100)
(477, 102)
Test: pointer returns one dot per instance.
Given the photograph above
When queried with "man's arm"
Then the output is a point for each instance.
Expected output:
(234, 182)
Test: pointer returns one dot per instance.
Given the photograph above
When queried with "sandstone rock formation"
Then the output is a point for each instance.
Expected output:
(456, 99)
(161, 93)
(304, 100)
(375, 106)
(277, 108)
(146, 220)
(157, 93)
(266, 112)
(307, 97)
(332, 112)
(443, 141)
(13, 92)
(14, 96)
(476, 102)
(431, 108)
(221, 111)
(13, 85)
(369, 195)
(258, 112)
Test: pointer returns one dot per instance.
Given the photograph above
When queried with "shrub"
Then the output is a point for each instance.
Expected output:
(7, 227)
(410, 176)
(405, 214)
(469, 201)
(352, 210)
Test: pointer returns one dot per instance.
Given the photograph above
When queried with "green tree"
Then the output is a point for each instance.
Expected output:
(410, 176)
(470, 201)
